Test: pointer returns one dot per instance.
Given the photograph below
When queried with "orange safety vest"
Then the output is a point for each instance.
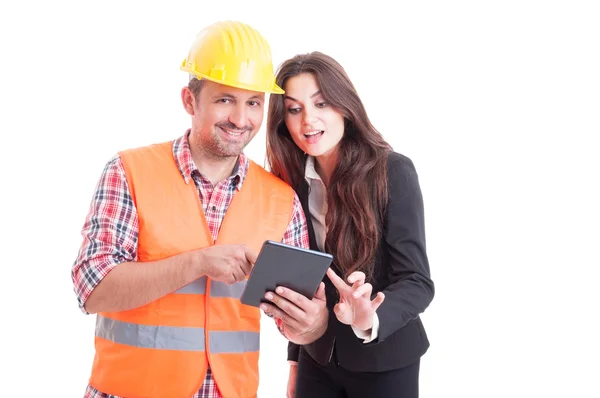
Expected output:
(163, 349)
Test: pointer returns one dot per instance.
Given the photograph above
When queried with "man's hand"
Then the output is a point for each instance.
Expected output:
(355, 307)
(304, 320)
(291, 386)
(226, 263)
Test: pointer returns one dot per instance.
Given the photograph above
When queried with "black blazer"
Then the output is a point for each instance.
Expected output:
(401, 272)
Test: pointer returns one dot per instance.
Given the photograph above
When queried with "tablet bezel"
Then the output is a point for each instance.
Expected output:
(299, 269)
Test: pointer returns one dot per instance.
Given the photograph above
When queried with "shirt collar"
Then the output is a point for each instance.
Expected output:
(186, 165)
(310, 173)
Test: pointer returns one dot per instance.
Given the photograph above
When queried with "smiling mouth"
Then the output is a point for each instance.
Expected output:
(232, 133)
(314, 133)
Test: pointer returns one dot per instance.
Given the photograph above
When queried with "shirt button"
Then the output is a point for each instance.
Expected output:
(214, 208)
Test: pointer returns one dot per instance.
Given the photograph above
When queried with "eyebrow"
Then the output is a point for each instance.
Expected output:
(294, 99)
(228, 95)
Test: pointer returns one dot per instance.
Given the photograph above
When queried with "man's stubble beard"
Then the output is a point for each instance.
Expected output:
(217, 148)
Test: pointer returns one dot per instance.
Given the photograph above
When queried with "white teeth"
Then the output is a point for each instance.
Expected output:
(313, 133)
(231, 132)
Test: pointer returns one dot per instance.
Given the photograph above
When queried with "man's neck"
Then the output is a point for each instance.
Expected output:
(215, 169)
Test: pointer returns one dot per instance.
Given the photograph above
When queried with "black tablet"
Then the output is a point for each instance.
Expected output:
(278, 264)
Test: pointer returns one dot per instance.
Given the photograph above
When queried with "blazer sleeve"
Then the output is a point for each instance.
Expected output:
(411, 289)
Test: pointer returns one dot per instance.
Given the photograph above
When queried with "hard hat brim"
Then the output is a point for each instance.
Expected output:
(274, 89)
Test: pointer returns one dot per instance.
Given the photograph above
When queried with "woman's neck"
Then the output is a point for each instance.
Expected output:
(325, 164)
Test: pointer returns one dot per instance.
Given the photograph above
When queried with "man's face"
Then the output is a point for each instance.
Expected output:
(224, 118)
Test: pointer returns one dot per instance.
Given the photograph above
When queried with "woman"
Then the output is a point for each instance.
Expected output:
(366, 209)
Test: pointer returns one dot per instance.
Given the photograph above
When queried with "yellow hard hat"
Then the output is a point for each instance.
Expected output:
(234, 54)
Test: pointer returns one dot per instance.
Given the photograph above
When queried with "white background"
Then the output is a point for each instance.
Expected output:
(497, 103)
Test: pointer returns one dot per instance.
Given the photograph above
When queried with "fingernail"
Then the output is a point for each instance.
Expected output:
(269, 296)
(263, 307)
(279, 290)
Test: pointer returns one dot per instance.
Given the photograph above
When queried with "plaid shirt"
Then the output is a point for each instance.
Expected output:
(110, 231)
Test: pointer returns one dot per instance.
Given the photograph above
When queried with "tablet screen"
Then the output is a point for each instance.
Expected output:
(278, 264)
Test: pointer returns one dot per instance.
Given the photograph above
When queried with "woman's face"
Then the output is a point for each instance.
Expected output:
(315, 126)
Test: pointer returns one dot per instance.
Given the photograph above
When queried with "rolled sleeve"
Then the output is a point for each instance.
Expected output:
(110, 232)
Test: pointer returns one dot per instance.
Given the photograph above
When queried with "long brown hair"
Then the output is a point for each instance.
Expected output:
(357, 192)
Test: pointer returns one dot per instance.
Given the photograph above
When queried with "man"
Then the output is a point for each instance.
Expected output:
(173, 231)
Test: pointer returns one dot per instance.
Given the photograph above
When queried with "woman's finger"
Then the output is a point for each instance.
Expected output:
(364, 290)
(343, 313)
(357, 278)
(338, 282)
(377, 301)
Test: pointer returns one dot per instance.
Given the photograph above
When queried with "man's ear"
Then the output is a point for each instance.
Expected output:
(188, 100)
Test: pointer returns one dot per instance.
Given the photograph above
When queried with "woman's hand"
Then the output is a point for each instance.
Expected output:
(355, 307)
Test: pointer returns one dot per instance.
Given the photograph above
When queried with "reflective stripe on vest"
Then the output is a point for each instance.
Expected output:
(176, 338)
(196, 287)
(217, 289)
(220, 289)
